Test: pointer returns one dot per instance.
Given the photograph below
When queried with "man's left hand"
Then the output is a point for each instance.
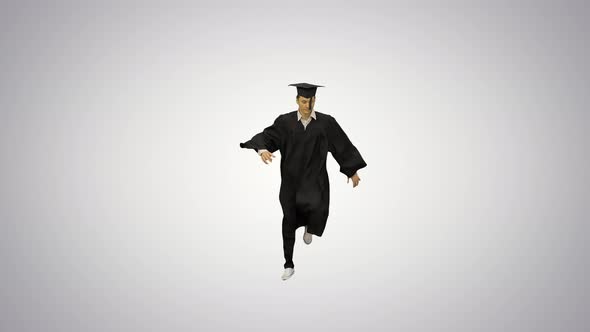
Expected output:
(355, 180)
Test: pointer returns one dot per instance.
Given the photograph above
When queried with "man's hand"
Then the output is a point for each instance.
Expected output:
(355, 180)
(266, 156)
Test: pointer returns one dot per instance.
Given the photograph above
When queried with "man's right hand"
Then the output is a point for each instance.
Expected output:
(266, 156)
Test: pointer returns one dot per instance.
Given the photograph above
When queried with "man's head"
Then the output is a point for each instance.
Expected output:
(305, 104)
(305, 96)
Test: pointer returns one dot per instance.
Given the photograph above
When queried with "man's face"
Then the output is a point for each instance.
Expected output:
(303, 103)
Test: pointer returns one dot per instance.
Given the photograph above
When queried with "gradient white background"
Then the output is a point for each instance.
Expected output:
(126, 203)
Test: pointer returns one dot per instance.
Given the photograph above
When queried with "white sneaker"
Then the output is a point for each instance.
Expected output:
(288, 273)
(306, 236)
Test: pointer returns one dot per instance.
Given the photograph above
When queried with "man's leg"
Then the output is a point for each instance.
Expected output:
(288, 241)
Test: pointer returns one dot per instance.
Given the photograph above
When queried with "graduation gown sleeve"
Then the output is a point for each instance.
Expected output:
(342, 149)
(269, 138)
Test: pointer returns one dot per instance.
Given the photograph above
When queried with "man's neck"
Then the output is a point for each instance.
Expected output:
(303, 116)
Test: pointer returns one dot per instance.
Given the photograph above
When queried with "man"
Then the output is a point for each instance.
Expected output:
(304, 138)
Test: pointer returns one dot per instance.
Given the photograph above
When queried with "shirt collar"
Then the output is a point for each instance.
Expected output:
(312, 115)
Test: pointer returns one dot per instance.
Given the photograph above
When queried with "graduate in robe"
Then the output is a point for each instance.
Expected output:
(304, 137)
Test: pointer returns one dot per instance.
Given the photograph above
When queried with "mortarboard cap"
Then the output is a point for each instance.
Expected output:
(305, 89)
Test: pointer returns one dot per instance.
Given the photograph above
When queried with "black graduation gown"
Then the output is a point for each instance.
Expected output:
(305, 188)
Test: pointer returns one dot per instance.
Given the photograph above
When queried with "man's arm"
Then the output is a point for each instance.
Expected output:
(342, 149)
(269, 139)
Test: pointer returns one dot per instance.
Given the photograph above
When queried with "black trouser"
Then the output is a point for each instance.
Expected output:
(289, 227)
(293, 218)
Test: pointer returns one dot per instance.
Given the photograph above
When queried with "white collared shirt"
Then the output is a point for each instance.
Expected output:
(303, 121)
(306, 122)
